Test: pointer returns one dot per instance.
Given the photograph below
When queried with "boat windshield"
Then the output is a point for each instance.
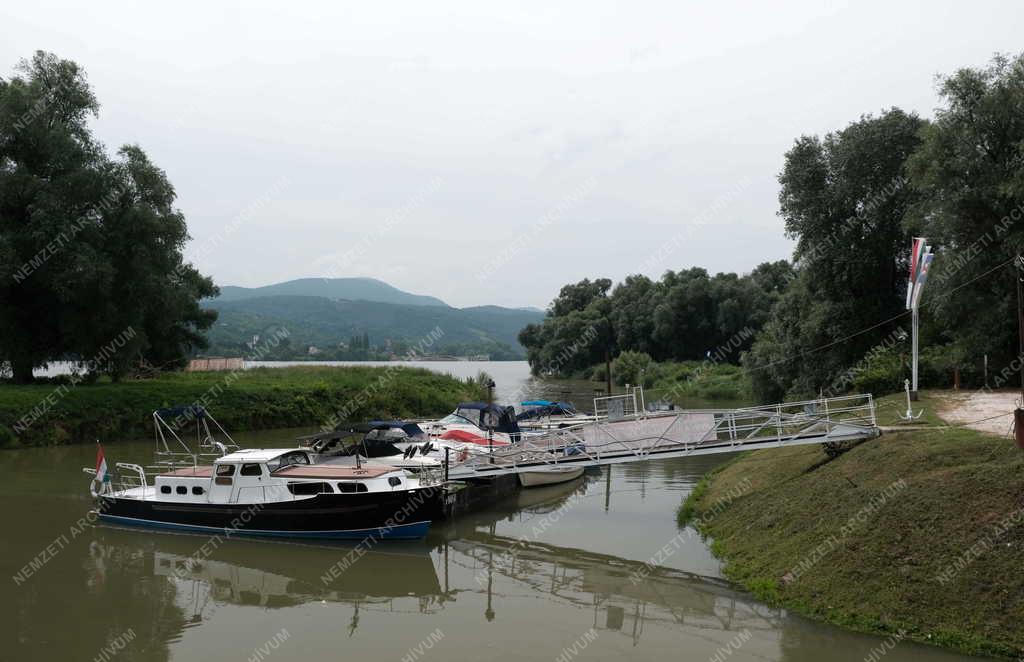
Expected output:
(455, 418)
(286, 460)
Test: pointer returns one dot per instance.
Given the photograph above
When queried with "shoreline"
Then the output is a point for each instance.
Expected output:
(916, 535)
(59, 412)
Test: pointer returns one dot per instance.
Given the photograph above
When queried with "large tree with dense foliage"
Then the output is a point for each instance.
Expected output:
(90, 246)
(970, 173)
(843, 200)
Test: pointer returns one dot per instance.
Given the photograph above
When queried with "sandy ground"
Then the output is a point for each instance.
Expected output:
(974, 406)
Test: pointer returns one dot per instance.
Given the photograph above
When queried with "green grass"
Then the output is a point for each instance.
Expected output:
(255, 399)
(881, 576)
(889, 408)
(685, 379)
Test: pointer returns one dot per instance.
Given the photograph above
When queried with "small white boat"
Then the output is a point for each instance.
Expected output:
(549, 476)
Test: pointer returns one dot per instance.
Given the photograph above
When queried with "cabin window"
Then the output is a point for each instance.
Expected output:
(225, 470)
(394, 481)
(306, 489)
(165, 489)
(181, 489)
(351, 488)
(251, 470)
(198, 491)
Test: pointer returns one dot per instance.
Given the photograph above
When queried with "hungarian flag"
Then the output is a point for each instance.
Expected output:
(102, 474)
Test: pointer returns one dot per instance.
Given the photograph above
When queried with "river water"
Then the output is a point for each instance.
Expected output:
(591, 570)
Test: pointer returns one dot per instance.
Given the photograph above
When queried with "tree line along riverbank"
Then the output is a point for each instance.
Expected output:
(61, 411)
(918, 534)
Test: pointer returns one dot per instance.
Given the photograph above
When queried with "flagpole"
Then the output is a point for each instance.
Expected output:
(914, 325)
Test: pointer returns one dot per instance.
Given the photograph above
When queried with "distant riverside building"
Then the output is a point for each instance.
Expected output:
(214, 364)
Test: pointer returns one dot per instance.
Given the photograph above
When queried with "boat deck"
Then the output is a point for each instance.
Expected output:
(332, 471)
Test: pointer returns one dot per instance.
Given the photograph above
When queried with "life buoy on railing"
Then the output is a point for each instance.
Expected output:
(463, 455)
(92, 487)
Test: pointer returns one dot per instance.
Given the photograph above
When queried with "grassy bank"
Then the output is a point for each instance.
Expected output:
(248, 400)
(697, 379)
(905, 532)
(682, 379)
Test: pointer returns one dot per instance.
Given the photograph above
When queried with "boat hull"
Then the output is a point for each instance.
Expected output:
(550, 476)
(400, 515)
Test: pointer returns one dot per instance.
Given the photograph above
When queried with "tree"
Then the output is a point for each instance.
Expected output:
(686, 315)
(843, 199)
(578, 296)
(90, 246)
(576, 333)
(970, 176)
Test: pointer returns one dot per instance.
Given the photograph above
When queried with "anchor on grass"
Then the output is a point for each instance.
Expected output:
(909, 416)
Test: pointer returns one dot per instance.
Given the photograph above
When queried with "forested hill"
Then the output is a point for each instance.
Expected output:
(352, 289)
(344, 329)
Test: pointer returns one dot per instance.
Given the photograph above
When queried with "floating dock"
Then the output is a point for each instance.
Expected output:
(625, 432)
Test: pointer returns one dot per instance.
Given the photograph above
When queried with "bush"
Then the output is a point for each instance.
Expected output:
(885, 371)
(630, 367)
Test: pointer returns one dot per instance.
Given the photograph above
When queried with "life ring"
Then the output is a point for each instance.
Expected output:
(92, 487)
(463, 455)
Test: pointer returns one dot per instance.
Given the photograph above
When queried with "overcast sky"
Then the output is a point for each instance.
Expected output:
(489, 152)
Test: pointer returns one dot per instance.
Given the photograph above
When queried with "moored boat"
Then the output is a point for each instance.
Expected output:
(548, 415)
(477, 423)
(280, 493)
(549, 476)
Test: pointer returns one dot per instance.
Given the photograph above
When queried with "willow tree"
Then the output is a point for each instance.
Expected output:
(844, 199)
(970, 173)
(90, 245)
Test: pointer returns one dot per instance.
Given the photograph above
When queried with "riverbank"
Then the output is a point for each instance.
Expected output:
(705, 380)
(916, 534)
(59, 412)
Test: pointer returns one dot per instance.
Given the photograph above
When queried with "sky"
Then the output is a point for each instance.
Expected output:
(491, 152)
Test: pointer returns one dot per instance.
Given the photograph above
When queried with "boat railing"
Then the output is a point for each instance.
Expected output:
(171, 450)
(431, 476)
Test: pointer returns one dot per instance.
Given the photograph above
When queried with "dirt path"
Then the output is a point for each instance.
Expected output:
(974, 406)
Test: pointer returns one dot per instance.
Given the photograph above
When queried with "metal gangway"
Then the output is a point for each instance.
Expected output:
(625, 432)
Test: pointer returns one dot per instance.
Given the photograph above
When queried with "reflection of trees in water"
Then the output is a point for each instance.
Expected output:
(184, 590)
(80, 603)
(604, 584)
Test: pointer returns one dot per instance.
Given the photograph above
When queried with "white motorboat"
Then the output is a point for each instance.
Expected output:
(280, 492)
(549, 476)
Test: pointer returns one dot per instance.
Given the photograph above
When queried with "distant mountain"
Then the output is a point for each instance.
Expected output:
(335, 327)
(352, 289)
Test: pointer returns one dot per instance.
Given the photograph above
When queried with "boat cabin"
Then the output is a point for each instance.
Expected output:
(485, 417)
(270, 475)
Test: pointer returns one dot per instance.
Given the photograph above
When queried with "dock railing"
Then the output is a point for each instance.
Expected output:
(624, 433)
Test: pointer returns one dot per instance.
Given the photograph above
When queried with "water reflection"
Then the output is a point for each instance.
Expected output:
(427, 578)
(483, 588)
(522, 579)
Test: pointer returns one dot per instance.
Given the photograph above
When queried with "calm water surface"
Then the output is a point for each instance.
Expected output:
(546, 571)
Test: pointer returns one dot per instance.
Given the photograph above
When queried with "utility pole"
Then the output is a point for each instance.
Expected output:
(608, 369)
(1018, 413)
(1017, 264)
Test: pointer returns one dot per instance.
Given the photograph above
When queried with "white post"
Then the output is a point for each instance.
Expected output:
(913, 387)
